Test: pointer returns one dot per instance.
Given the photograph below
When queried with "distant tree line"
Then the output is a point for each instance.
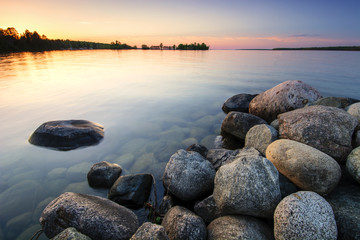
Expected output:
(12, 41)
(181, 46)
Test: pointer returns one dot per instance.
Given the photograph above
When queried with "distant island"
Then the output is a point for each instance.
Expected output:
(12, 41)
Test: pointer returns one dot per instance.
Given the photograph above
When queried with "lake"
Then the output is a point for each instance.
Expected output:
(151, 104)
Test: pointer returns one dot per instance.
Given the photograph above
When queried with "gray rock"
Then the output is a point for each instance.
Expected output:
(198, 148)
(238, 103)
(228, 141)
(356, 139)
(307, 167)
(328, 129)
(275, 124)
(282, 98)
(239, 227)
(338, 102)
(238, 124)
(67, 134)
(353, 164)
(70, 234)
(150, 231)
(180, 224)
(354, 110)
(103, 174)
(304, 215)
(345, 202)
(247, 186)
(188, 175)
(96, 217)
(260, 136)
(165, 205)
(131, 190)
(220, 156)
(207, 209)
(286, 186)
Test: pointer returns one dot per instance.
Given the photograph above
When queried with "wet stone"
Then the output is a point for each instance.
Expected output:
(103, 174)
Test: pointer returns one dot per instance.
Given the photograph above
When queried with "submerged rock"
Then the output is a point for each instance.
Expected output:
(327, 129)
(286, 96)
(149, 231)
(247, 186)
(238, 103)
(103, 174)
(307, 167)
(67, 134)
(239, 227)
(96, 217)
(182, 224)
(304, 215)
(188, 175)
(131, 190)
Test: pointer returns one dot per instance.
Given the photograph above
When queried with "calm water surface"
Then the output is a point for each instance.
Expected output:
(151, 103)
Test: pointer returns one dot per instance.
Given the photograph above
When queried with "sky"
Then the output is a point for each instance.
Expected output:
(222, 24)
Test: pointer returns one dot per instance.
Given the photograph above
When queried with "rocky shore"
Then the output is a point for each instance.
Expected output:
(286, 166)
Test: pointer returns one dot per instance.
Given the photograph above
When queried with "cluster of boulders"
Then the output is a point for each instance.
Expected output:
(287, 166)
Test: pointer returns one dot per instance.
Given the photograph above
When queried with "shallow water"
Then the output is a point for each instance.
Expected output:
(151, 103)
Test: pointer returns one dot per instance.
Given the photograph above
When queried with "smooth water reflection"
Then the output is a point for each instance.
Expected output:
(151, 103)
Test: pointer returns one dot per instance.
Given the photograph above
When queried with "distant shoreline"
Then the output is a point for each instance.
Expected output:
(337, 48)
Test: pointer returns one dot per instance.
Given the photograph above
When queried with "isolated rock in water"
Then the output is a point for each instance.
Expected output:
(181, 224)
(345, 202)
(354, 110)
(67, 135)
(198, 148)
(248, 186)
(149, 231)
(286, 96)
(327, 129)
(207, 209)
(96, 217)
(307, 167)
(103, 174)
(338, 102)
(239, 227)
(304, 215)
(260, 136)
(238, 124)
(131, 190)
(188, 175)
(353, 164)
(238, 103)
(70, 234)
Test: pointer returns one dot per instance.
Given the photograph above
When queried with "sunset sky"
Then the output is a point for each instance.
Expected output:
(222, 24)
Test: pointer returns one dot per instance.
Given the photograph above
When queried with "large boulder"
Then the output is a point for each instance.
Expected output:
(239, 227)
(260, 136)
(188, 175)
(353, 164)
(237, 124)
(328, 129)
(282, 98)
(180, 224)
(304, 215)
(247, 186)
(96, 217)
(149, 231)
(103, 174)
(67, 134)
(307, 167)
(238, 103)
(345, 202)
(131, 190)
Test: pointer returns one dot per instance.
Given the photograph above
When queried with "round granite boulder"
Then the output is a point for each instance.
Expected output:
(67, 134)
(238, 103)
(286, 96)
(247, 186)
(260, 136)
(307, 167)
(182, 224)
(103, 174)
(239, 227)
(353, 164)
(354, 110)
(327, 129)
(149, 231)
(304, 215)
(188, 175)
(96, 217)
